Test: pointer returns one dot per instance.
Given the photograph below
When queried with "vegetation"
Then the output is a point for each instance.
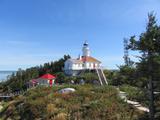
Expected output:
(149, 47)
(92, 102)
(139, 73)
(87, 103)
(18, 81)
(148, 68)
(135, 94)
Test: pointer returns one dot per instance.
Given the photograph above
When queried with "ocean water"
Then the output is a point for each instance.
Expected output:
(4, 74)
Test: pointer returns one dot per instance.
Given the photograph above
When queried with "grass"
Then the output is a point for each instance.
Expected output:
(87, 103)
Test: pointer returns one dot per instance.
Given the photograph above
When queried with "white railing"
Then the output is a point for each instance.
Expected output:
(104, 76)
(99, 77)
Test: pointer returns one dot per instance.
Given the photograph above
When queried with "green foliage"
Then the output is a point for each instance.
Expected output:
(109, 75)
(149, 40)
(135, 94)
(148, 66)
(61, 77)
(18, 80)
(127, 75)
(89, 77)
(87, 103)
(147, 43)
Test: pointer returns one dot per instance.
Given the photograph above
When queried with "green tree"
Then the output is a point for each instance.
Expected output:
(148, 45)
(60, 77)
(21, 77)
(89, 77)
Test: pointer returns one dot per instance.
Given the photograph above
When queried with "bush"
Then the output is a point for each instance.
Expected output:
(135, 94)
(87, 103)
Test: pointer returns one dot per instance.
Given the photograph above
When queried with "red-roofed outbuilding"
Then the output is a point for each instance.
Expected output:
(46, 79)
(48, 76)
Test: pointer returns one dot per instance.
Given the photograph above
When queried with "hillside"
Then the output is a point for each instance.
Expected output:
(87, 103)
(19, 79)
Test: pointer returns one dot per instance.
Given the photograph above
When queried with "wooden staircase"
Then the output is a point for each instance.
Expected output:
(101, 76)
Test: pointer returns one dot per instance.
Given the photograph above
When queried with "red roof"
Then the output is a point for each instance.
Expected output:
(90, 59)
(48, 76)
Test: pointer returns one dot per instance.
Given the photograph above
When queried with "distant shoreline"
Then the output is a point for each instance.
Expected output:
(4, 74)
(7, 70)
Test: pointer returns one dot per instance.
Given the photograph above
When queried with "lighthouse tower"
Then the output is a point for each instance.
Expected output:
(75, 67)
(86, 50)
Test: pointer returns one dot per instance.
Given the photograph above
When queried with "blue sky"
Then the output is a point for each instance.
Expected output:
(33, 32)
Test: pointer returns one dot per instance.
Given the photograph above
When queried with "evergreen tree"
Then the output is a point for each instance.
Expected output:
(19, 80)
(148, 67)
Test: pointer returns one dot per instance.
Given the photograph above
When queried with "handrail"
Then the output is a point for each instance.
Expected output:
(104, 76)
(99, 76)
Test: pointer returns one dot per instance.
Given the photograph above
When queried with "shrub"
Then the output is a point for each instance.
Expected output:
(88, 103)
(135, 94)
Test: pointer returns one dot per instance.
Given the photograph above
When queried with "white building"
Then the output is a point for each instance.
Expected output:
(75, 66)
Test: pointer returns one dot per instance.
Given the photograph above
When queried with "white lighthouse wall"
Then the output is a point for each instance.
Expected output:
(86, 51)
(77, 66)
(67, 65)
(90, 65)
(72, 68)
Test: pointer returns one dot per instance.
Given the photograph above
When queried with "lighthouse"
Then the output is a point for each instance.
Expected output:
(84, 62)
(85, 50)
(77, 66)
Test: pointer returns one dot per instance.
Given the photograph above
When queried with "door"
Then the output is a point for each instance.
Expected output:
(50, 82)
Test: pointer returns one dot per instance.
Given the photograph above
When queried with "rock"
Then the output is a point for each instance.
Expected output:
(67, 90)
